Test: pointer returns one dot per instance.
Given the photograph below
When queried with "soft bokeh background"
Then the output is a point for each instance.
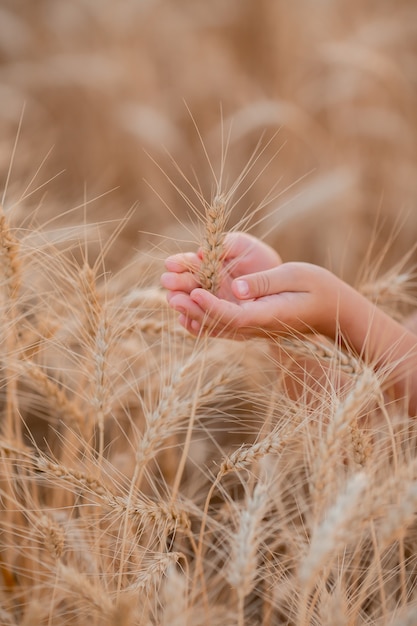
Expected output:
(111, 93)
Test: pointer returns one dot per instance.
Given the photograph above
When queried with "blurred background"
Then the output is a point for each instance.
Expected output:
(118, 109)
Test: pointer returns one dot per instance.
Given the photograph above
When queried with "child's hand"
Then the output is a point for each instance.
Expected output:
(293, 297)
(244, 254)
(261, 296)
(258, 295)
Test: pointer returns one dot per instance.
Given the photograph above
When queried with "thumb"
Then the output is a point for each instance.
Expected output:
(266, 283)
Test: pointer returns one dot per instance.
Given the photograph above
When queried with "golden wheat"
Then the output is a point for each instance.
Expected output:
(147, 477)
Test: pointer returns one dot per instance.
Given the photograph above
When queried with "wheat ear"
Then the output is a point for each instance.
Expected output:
(328, 538)
(272, 443)
(53, 535)
(98, 345)
(213, 244)
(242, 569)
(52, 392)
(11, 280)
(175, 597)
(366, 389)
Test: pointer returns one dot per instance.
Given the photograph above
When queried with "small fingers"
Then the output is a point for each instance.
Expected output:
(182, 262)
(218, 313)
(183, 304)
(246, 252)
(191, 316)
(185, 281)
(284, 278)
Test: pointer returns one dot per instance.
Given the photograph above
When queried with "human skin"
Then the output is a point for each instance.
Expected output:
(260, 296)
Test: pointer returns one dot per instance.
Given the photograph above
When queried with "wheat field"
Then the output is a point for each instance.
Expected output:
(148, 477)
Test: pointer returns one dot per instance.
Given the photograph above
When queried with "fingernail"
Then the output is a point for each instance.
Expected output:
(195, 326)
(242, 287)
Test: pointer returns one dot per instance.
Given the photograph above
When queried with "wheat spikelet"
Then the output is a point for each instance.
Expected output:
(242, 569)
(163, 516)
(393, 291)
(11, 280)
(98, 344)
(34, 614)
(53, 392)
(361, 444)
(333, 608)
(405, 617)
(11, 266)
(399, 515)
(100, 400)
(335, 530)
(7, 618)
(84, 591)
(157, 328)
(159, 518)
(390, 291)
(174, 597)
(145, 299)
(174, 407)
(57, 470)
(53, 535)
(142, 509)
(212, 244)
(91, 300)
(322, 350)
(153, 571)
(273, 442)
(365, 389)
